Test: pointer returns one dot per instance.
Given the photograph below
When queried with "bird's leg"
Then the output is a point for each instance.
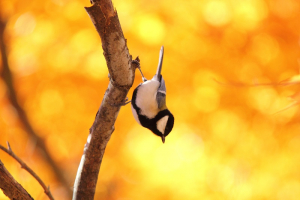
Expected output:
(143, 77)
(126, 101)
(123, 103)
(136, 63)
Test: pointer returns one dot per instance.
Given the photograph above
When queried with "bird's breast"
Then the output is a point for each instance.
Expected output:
(146, 98)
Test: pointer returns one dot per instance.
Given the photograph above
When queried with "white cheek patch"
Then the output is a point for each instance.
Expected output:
(162, 123)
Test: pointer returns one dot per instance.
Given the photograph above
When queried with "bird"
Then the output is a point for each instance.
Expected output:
(148, 103)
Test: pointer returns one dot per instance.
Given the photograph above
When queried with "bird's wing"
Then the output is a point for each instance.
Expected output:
(160, 61)
(158, 76)
(161, 91)
(161, 94)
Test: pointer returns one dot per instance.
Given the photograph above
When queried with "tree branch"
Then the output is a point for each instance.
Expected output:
(8, 79)
(118, 60)
(10, 187)
(28, 169)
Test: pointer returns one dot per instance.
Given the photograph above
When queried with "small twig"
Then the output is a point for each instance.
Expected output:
(136, 62)
(6, 75)
(25, 167)
(123, 103)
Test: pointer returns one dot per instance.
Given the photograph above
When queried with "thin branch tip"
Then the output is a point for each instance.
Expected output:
(8, 146)
(28, 169)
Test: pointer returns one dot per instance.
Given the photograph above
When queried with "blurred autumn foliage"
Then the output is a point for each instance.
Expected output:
(227, 142)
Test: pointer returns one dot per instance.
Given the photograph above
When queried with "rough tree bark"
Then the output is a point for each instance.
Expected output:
(10, 187)
(121, 74)
(14, 185)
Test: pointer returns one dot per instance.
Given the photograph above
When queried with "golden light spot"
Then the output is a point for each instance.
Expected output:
(206, 99)
(169, 160)
(23, 62)
(234, 38)
(59, 2)
(25, 24)
(169, 157)
(126, 13)
(74, 7)
(220, 178)
(265, 48)
(9, 114)
(289, 190)
(294, 78)
(263, 181)
(59, 58)
(242, 191)
(226, 125)
(96, 65)
(51, 102)
(262, 99)
(44, 33)
(247, 14)
(140, 143)
(193, 52)
(189, 146)
(8, 11)
(150, 29)
(248, 71)
(217, 13)
(203, 77)
(283, 109)
(84, 41)
(284, 8)
(60, 152)
(266, 127)
(294, 143)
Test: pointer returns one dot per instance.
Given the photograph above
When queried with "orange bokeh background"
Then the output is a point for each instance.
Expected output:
(227, 142)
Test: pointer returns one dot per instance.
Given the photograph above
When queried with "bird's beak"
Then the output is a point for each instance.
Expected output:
(163, 138)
